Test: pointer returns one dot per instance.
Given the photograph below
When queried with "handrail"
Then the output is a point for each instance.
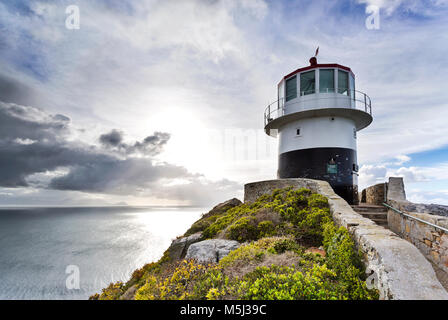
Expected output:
(415, 218)
(355, 96)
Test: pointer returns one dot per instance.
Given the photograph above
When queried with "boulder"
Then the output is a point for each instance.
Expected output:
(178, 247)
(130, 293)
(211, 250)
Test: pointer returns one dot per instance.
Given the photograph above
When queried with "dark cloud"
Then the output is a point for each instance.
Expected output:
(19, 160)
(112, 175)
(112, 139)
(21, 122)
(151, 145)
(14, 91)
(34, 142)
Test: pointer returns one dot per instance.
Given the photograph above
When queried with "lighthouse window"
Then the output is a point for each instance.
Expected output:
(332, 168)
(291, 88)
(352, 87)
(326, 80)
(342, 82)
(307, 83)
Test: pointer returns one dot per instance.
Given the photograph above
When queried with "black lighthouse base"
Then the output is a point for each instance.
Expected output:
(335, 165)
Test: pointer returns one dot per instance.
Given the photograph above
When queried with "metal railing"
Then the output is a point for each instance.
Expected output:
(355, 100)
(415, 218)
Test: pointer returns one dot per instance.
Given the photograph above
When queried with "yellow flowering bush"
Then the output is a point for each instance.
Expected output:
(174, 286)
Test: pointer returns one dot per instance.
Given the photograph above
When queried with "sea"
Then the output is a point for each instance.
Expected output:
(72, 253)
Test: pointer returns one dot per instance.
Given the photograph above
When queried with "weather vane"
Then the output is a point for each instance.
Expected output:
(313, 59)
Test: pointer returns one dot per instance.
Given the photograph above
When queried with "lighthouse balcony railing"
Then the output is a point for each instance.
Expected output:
(309, 100)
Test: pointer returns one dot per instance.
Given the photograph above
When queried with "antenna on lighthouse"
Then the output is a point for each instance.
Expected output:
(313, 60)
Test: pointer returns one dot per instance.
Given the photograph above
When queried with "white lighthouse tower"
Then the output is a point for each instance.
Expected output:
(316, 118)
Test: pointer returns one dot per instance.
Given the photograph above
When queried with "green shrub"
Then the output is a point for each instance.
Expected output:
(213, 285)
(346, 261)
(243, 255)
(284, 245)
(225, 220)
(265, 229)
(317, 201)
(176, 285)
(310, 229)
(244, 229)
(303, 214)
(287, 283)
(200, 225)
(112, 292)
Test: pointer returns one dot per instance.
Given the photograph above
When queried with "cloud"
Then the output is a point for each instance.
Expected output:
(35, 152)
(370, 175)
(151, 145)
(112, 139)
(410, 174)
(24, 122)
(423, 196)
(402, 159)
(415, 6)
(12, 90)
(120, 176)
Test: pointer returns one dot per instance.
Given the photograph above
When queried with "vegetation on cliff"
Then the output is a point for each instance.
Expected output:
(292, 250)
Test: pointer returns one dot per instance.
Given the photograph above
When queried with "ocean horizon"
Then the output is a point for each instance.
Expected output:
(40, 246)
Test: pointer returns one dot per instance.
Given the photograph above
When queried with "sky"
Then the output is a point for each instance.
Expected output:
(161, 102)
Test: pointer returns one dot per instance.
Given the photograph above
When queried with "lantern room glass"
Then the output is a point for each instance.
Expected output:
(307, 83)
(343, 82)
(326, 80)
(291, 88)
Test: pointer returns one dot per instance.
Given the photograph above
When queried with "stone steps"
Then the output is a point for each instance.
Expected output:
(369, 208)
(377, 214)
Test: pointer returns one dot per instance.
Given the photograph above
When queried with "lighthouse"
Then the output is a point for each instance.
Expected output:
(316, 118)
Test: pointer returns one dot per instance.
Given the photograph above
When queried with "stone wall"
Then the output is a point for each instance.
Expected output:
(362, 196)
(399, 269)
(375, 194)
(431, 241)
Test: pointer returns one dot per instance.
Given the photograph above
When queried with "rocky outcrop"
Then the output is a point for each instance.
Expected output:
(207, 218)
(129, 294)
(179, 247)
(223, 207)
(396, 267)
(433, 209)
(211, 250)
